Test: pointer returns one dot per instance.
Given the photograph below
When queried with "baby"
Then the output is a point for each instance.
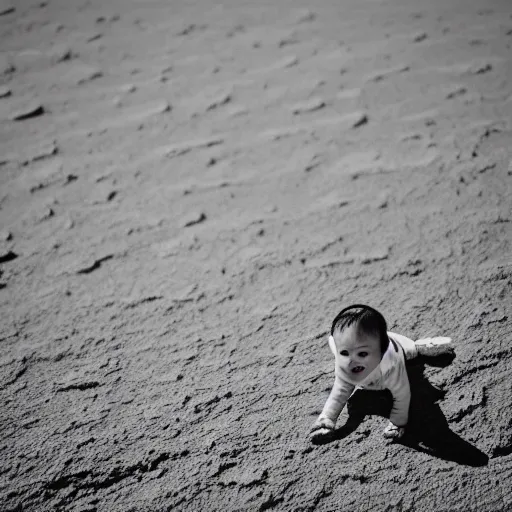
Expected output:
(367, 356)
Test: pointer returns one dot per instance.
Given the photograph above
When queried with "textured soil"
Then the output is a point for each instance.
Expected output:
(190, 192)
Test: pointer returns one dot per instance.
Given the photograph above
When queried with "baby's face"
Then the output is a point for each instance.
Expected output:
(358, 353)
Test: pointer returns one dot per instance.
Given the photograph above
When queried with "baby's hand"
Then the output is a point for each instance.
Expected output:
(393, 432)
(321, 430)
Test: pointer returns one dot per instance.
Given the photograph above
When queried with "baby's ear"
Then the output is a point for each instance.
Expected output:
(332, 345)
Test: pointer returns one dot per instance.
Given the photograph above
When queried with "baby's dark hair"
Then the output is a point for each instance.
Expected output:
(367, 318)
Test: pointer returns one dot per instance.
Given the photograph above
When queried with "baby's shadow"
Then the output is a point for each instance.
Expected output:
(428, 430)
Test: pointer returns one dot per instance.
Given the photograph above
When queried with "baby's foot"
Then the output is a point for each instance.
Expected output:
(393, 432)
(434, 347)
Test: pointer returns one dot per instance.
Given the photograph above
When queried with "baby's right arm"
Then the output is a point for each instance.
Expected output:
(338, 397)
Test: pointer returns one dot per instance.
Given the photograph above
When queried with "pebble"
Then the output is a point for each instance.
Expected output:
(60, 53)
(6, 9)
(128, 88)
(27, 111)
(309, 106)
(383, 254)
(4, 91)
(5, 236)
(6, 65)
(420, 37)
(7, 256)
(193, 219)
(362, 120)
(84, 74)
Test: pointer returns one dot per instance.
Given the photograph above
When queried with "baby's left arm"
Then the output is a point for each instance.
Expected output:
(326, 422)
(398, 384)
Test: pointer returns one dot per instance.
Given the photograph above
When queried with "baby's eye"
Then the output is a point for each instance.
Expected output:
(363, 354)
(344, 352)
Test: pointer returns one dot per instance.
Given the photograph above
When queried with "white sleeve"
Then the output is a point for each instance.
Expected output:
(338, 397)
(398, 384)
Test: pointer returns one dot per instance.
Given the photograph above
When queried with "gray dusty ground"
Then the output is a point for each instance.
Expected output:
(190, 191)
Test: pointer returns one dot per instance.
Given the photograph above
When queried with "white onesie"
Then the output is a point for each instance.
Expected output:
(390, 374)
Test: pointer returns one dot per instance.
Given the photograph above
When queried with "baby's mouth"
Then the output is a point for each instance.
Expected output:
(358, 369)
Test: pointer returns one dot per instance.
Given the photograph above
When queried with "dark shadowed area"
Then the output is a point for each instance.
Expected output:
(190, 191)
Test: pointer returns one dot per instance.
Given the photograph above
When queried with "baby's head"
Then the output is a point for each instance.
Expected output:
(358, 340)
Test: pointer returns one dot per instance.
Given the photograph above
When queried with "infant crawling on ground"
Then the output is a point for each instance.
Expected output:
(367, 356)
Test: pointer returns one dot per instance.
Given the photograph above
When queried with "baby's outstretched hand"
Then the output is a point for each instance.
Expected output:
(393, 432)
(321, 431)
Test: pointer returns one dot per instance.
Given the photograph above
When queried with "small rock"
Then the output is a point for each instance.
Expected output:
(193, 219)
(185, 147)
(128, 88)
(164, 107)
(5, 236)
(6, 65)
(75, 382)
(288, 62)
(420, 37)
(60, 53)
(45, 214)
(309, 106)
(480, 69)
(313, 163)
(375, 256)
(39, 152)
(94, 37)
(7, 256)
(222, 99)
(46, 176)
(4, 91)
(383, 200)
(88, 266)
(31, 109)
(287, 41)
(360, 121)
(6, 9)
(457, 92)
(105, 196)
(87, 74)
(189, 29)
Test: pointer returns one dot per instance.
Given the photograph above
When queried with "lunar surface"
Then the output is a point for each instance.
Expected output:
(190, 191)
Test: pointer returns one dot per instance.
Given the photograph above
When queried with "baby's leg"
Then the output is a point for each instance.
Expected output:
(433, 347)
(410, 349)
